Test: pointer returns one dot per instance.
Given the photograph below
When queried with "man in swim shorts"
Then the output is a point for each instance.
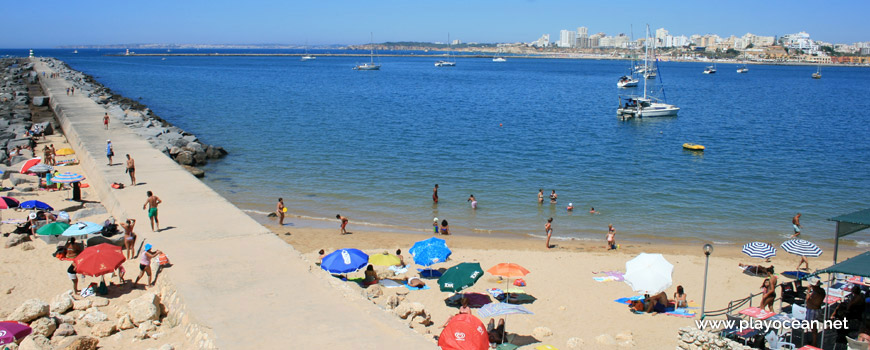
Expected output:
(131, 169)
(343, 223)
(796, 224)
(151, 203)
(435, 194)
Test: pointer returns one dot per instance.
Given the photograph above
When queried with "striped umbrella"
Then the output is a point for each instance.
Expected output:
(498, 309)
(802, 248)
(8, 202)
(759, 250)
(67, 178)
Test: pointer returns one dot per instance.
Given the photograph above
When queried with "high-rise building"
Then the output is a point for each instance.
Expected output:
(661, 33)
(456, 42)
(567, 38)
(543, 41)
(582, 32)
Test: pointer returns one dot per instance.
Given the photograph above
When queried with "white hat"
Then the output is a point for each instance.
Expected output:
(32, 216)
(570, 204)
(436, 219)
(108, 140)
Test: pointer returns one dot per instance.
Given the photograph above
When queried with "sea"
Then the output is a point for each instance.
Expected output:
(371, 145)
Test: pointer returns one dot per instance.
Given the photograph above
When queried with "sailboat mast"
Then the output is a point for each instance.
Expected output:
(646, 60)
(372, 47)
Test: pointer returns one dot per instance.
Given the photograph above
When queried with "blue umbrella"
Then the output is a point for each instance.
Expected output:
(759, 250)
(498, 309)
(35, 204)
(82, 228)
(430, 251)
(802, 248)
(344, 261)
(67, 178)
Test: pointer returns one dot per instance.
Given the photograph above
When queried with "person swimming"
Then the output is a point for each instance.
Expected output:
(570, 207)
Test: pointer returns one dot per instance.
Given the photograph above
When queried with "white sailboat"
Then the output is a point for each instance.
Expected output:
(307, 57)
(711, 69)
(743, 68)
(818, 73)
(371, 65)
(448, 62)
(627, 81)
(498, 56)
(646, 106)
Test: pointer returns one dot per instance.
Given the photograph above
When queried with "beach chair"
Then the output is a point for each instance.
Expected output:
(730, 331)
(775, 342)
(855, 344)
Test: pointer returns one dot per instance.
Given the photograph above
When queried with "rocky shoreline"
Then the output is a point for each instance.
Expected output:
(183, 147)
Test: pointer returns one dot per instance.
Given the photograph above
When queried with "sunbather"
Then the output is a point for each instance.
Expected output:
(401, 258)
(680, 298)
(371, 276)
(757, 269)
(496, 333)
(656, 304)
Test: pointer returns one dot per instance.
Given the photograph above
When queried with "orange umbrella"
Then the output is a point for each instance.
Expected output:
(508, 270)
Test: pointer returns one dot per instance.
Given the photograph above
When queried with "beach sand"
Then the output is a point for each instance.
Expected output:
(570, 302)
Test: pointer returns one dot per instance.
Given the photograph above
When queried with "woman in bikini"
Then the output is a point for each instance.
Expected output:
(129, 237)
(445, 228)
(768, 292)
(548, 228)
(680, 298)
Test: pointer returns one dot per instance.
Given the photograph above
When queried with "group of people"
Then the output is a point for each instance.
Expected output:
(48, 154)
(659, 303)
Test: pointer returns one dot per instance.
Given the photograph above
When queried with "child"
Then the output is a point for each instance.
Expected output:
(343, 223)
(570, 207)
(322, 255)
(611, 237)
(435, 226)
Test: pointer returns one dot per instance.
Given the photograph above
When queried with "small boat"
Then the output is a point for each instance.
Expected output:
(818, 73)
(308, 58)
(448, 62)
(626, 82)
(710, 70)
(499, 59)
(646, 105)
(693, 147)
(742, 69)
(76, 51)
(371, 65)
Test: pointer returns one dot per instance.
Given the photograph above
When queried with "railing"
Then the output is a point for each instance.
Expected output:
(732, 305)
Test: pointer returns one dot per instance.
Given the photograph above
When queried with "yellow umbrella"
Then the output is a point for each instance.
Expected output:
(64, 152)
(384, 259)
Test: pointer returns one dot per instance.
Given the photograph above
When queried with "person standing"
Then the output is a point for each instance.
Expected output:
(106, 121)
(110, 151)
(548, 228)
(279, 209)
(541, 196)
(145, 263)
(53, 154)
(473, 201)
(815, 299)
(343, 223)
(131, 169)
(435, 194)
(129, 237)
(151, 203)
(71, 273)
(796, 224)
(611, 237)
(553, 197)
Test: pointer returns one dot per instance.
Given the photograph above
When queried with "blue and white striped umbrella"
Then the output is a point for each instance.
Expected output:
(67, 178)
(802, 248)
(498, 309)
(759, 250)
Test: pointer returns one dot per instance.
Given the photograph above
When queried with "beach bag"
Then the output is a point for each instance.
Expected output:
(520, 282)
(163, 260)
(89, 291)
(117, 185)
(102, 289)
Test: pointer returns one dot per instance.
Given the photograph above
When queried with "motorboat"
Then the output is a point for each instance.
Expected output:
(627, 82)
(742, 70)
(445, 64)
(308, 58)
(499, 59)
(710, 70)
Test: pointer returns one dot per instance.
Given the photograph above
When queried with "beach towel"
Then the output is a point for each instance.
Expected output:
(398, 270)
(390, 283)
(416, 288)
(605, 279)
(681, 312)
(628, 300)
(495, 292)
(617, 276)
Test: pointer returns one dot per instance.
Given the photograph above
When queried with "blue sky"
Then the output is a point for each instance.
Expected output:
(51, 23)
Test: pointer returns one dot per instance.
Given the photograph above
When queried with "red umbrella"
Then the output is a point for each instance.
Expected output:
(10, 331)
(29, 164)
(8, 202)
(99, 259)
(464, 332)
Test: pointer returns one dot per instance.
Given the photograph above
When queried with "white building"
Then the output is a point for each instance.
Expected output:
(543, 41)
(757, 40)
(567, 38)
(800, 41)
(661, 33)
(456, 42)
(582, 32)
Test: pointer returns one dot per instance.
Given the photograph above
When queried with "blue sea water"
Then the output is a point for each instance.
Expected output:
(371, 145)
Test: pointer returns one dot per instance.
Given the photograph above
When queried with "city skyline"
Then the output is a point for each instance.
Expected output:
(343, 22)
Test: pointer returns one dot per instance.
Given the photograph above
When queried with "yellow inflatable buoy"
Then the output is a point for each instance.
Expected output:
(284, 209)
(693, 147)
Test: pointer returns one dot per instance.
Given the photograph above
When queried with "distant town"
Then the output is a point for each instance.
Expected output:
(797, 48)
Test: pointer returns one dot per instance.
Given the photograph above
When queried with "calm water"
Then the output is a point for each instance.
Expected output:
(371, 145)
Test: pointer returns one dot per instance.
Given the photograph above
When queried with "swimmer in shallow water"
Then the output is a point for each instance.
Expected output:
(473, 201)
(570, 207)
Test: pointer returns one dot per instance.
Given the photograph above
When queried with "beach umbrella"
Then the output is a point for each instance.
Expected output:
(53, 229)
(499, 309)
(40, 168)
(35, 205)
(460, 277)
(8, 202)
(649, 273)
(10, 331)
(29, 163)
(99, 260)
(82, 228)
(384, 259)
(67, 178)
(430, 251)
(508, 270)
(759, 250)
(344, 261)
(64, 152)
(464, 332)
(801, 247)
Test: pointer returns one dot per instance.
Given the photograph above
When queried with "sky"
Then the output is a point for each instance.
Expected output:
(51, 23)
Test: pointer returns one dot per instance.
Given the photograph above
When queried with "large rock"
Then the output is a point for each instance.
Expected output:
(194, 147)
(373, 291)
(40, 100)
(79, 343)
(82, 304)
(103, 329)
(194, 170)
(29, 311)
(173, 151)
(94, 317)
(62, 303)
(64, 330)
(180, 142)
(125, 323)
(199, 158)
(100, 302)
(44, 326)
(35, 342)
(17, 179)
(410, 309)
(215, 152)
(185, 158)
(145, 308)
(16, 239)
(575, 343)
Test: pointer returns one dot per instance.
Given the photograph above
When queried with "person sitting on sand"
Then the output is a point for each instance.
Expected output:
(401, 258)
(680, 298)
(496, 333)
(445, 228)
(371, 276)
(757, 269)
(655, 304)
(344, 221)
(415, 282)
(463, 309)
(322, 255)
(72, 249)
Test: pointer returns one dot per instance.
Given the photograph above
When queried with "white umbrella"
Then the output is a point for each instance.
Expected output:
(648, 273)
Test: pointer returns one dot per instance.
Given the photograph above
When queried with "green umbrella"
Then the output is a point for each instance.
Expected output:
(460, 277)
(53, 229)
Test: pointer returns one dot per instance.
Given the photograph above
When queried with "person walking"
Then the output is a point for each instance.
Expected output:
(131, 170)
(110, 151)
(106, 121)
(796, 225)
(548, 228)
(343, 223)
(53, 155)
(145, 263)
(129, 237)
(151, 204)
(435, 194)
(279, 209)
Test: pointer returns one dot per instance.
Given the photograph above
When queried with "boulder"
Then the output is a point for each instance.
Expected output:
(145, 308)
(184, 158)
(174, 150)
(100, 302)
(199, 158)
(29, 311)
(16, 239)
(373, 291)
(25, 187)
(541, 332)
(35, 342)
(180, 142)
(27, 246)
(194, 147)
(94, 317)
(103, 329)
(215, 152)
(17, 179)
(44, 326)
(575, 343)
(46, 127)
(63, 302)
(410, 309)
(79, 343)
(40, 100)
(82, 304)
(68, 318)
(189, 138)
(142, 331)
(125, 323)
(197, 172)
(64, 330)
(392, 302)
